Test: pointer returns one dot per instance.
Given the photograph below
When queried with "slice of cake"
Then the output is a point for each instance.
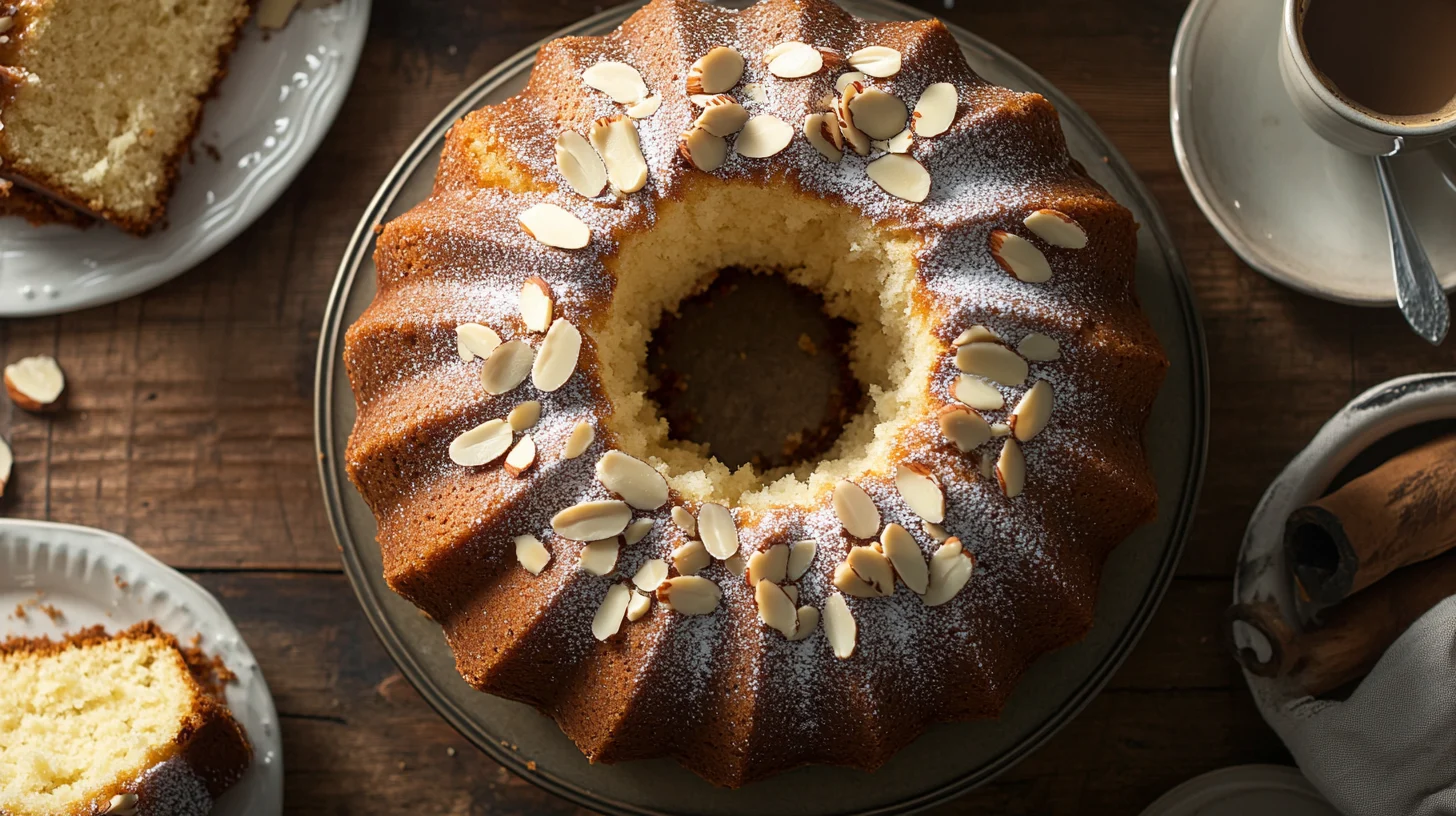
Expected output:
(130, 723)
(99, 100)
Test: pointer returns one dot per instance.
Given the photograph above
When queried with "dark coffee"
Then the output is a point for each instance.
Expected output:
(1394, 57)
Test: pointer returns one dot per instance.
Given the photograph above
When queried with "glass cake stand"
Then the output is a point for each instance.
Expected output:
(947, 760)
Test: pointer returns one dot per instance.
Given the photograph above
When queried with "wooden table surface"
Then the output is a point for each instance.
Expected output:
(189, 430)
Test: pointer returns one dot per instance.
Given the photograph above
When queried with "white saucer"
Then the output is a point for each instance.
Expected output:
(1296, 208)
(280, 96)
(90, 577)
(1244, 790)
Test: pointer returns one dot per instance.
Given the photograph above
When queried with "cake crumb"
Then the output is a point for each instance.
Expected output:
(806, 345)
(51, 612)
(450, 751)
(530, 764)
(19, 613)
(120, 584)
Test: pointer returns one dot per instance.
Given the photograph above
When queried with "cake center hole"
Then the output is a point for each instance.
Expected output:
(753, 368)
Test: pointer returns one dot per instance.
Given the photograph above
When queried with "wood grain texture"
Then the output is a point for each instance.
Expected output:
(190, 431)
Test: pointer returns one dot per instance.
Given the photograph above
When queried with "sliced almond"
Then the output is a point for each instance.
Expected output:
(775, 609)
(1011, 469)
(636, 531)
(936, 532)
(482, 444)
(839, 626)
(987, 466)
(808, 622)
(847, 78)
(722, 116)
(599, 557)
(582, 434)
(822, 131)
(853, 136)
(792, 591)
(532, 554)
(873, 568)
(905, 555)
(899, 143)
(1000, 429)
(592, 520)
(950, 569)
(763, 136)
(35, 383)
(720, 534)
(691, 558)
(716, 71)
(7, 461)
(1039, 348)
(638, 483)
(880, 115)
(992, 361)
(684, 520)
(920, 489)
(856, 510)
(638, 606)
(579, 164)
(557, 359)
(791, 60)
(555, 227)
(736, 565)
(771, 564)
(474, 340)
(522, 456)
(754, 93)
(964, 427)
(876, 60)
(644, 107)
(536, 304)
(700, 99)
(689, 595)
(702, 149)
(615, 138)
(847, 581)
(1033, 411)
(524, 416)
(1057, 228)
(618, 80)
(608, 619)
(935, 110)
(901, 176)
(801, 555)
(978, 393)
(650, 574)
(506, 367)
(1019, 257)
(976, 334)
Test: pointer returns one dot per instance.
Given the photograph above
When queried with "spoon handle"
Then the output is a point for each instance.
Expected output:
(1417, 290)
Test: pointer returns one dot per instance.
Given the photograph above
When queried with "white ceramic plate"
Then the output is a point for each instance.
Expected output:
(94, 577)
(1293, 206)
(281, 94)
(1244, 790)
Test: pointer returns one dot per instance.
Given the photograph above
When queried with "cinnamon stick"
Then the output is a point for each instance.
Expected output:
(1397, 514)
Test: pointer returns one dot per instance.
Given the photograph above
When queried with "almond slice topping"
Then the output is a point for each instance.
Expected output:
(963, 427)
(1033, 411)
(976, 334)
(853, 136)
(901, 176)
(637, 482)
(644, 107)
(684, 520)
(808, 622)
(524, 416)
(1057, 228)
(993, 361)
(856, 510)
(754, 93)
(599, 557)
(736, 565)
(618, 80)
(1011, 469)
(650, 575)
(522, 456)
(848, 77)
(638, 606)
(899, 143)
(608, 619)
(822, 131)
(689, 595)
(559, 353)
(791, 60)
(615, 138)
(880, 115)
(722, 116)
(535, 304)
(474, 340)
(771, 564)
(839, 626)
(582, 434)
(845, 580)
(950, 569)
(876, 60)
(791, 591)
(7, 461)
(873, 568)
(921, 491)
(775, 609)
(1039, 348)
(555, 227)
(978, 393)
(702, 149)
(691, 558)
(801, 555)
(592, 520)
(763, 136)
(579, 164)
(636, 531)
(905, 556)
(935, 110)
(720, 534)
(1019, 257)
(482, 444)
(701, 100)
(937, 533)
(716, 71)
(506, 367)
(532, 554)
(1000, 429)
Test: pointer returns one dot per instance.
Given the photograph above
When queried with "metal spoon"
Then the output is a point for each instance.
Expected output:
(1419, 293)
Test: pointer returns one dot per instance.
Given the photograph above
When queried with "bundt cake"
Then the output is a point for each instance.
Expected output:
(654, 603)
